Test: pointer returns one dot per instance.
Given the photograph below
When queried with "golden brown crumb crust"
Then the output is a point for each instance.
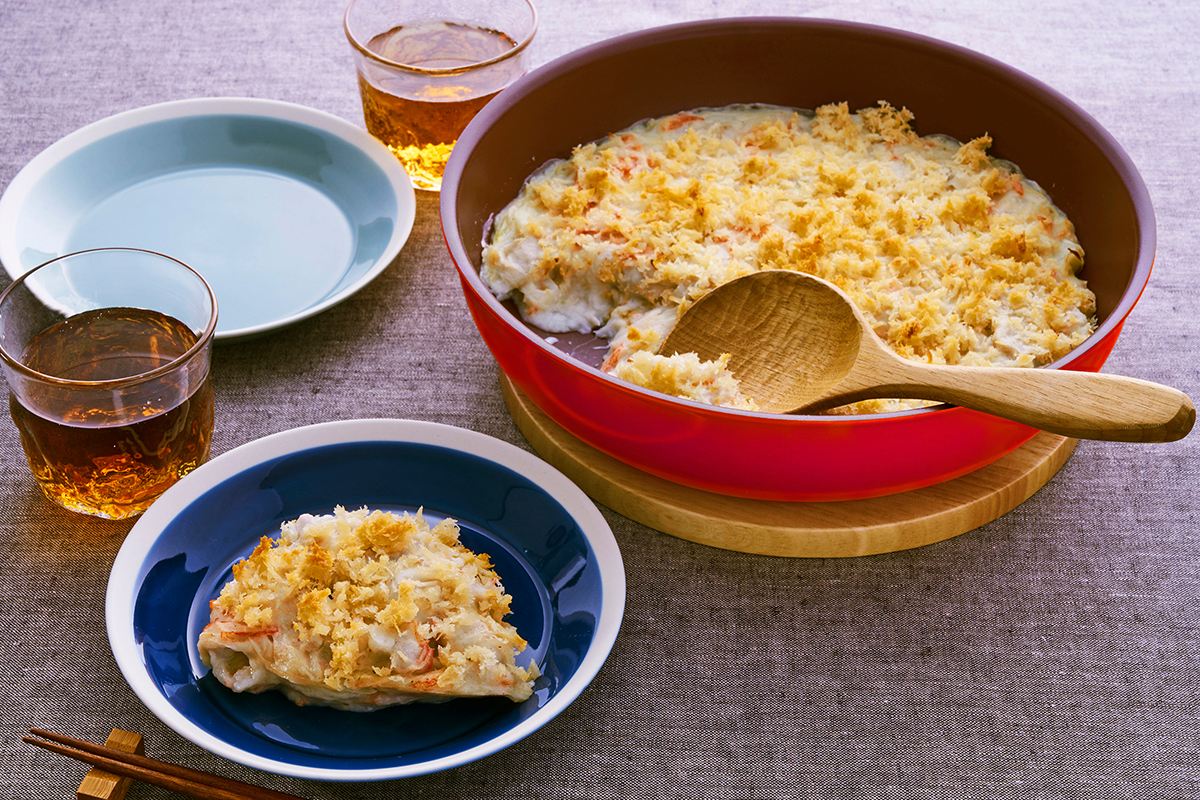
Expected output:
(954, 256)
(362, 609)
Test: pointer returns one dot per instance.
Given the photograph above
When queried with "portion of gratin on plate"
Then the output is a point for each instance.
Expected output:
(365, 609)
(955, 256)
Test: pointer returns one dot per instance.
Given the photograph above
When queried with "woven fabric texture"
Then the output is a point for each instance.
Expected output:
(1050, 654)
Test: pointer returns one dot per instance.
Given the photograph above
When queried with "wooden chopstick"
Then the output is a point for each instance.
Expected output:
(185, 781)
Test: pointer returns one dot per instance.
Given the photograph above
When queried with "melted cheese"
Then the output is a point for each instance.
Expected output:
(954, 256)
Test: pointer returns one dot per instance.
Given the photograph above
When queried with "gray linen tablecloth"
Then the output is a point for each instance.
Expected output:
(1051, 653)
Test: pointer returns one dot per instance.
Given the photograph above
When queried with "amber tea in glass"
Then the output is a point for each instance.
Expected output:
(107, 355)
(426, 68)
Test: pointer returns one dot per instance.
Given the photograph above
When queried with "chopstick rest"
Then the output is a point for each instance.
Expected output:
(183, 780)
(101, 785)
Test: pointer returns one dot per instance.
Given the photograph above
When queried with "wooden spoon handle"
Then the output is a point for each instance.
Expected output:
(1080, 405)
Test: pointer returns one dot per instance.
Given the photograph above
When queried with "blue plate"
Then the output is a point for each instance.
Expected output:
(284, 209)
(551, 547)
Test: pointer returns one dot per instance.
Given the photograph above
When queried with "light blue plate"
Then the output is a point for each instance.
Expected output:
(284, 209)
(550, 545)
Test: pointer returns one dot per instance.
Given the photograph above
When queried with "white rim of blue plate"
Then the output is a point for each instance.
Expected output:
(123, 584)
(26, 180)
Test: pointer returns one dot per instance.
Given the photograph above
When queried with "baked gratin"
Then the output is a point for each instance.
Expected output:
(955, 256)
(365, 609)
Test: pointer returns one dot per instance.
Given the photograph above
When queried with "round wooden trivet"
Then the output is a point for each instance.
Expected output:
(810, 530)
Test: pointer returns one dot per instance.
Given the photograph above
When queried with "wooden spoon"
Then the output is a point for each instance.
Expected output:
(798, 343)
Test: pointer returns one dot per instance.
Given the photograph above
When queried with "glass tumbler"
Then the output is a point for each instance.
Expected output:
(107, 355)
(426, 67)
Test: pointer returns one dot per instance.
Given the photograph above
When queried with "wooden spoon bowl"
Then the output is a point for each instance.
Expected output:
(798, 343)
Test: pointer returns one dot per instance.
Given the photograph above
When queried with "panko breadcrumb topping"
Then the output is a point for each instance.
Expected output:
(954, 256)
(685, 375)
(365, 609)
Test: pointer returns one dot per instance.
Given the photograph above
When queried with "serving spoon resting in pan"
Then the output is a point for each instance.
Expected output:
(799, 344)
